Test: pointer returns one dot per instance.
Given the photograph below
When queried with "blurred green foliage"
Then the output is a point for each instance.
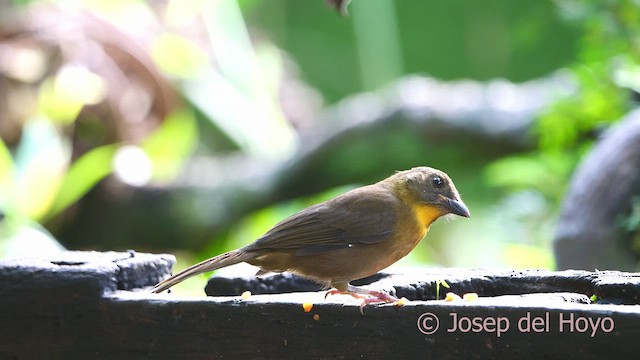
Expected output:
(607, 70)
(38, 182)
(41, 179)
(171, 144)
(514, 39)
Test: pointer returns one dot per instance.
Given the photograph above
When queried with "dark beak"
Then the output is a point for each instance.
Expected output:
(457, 207)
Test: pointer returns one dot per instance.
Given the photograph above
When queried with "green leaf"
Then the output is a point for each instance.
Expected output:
(439, 283)
(6, 175)
(63, 96)
(178, 56)
(41, 162)
(170, 145)
(83, 174)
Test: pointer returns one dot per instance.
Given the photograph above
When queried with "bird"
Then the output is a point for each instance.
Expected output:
(349, 237)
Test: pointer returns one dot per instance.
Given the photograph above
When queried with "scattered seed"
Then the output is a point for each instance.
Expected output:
(452, 297)
(470, 297)
(401, 302)
(307, 307)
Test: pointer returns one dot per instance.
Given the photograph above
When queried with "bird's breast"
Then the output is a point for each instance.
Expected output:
(425, 215)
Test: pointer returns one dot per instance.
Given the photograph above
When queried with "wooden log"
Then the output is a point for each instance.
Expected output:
(62, 309)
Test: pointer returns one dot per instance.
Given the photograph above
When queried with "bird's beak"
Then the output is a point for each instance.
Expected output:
(457, 207)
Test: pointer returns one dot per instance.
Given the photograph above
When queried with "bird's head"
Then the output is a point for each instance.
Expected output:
(431, 190)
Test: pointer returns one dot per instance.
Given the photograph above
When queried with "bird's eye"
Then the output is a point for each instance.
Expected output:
(437, 182)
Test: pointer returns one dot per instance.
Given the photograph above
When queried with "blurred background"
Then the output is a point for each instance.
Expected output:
(193, 126)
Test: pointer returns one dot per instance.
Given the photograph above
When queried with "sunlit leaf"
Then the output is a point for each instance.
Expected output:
(41, 162)
(170, 145)
(83, 174)
(239, 96)
(6, 174)
(63, 96)
(178, 56)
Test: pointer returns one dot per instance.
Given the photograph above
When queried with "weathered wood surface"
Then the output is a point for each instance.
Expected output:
(609, 286)
(84, 306)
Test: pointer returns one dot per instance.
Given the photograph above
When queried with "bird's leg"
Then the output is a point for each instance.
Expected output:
(367, 296)
(338, 292)
(372, 295)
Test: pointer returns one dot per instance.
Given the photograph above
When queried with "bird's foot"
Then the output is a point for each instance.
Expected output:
(367, 296)
(338, 292)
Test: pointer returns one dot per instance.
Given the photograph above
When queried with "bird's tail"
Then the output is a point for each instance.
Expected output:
(216, 262)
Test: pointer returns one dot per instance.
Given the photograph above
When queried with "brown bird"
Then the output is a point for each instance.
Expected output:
(349, 237)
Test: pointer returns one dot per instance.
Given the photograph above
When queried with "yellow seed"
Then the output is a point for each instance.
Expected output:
(307, 307)
(451, 297)
(470, 297)
(401, 302)
(245, 295)
(316, 317)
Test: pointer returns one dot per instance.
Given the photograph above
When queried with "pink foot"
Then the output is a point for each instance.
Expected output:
(338, 292)
(367, 296)
(377, 297)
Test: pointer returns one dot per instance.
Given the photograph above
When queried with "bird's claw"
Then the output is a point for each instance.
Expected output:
(377, 297)
(338, 292)
(370, 297)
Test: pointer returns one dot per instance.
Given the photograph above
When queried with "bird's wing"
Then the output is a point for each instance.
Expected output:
(361, 216)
